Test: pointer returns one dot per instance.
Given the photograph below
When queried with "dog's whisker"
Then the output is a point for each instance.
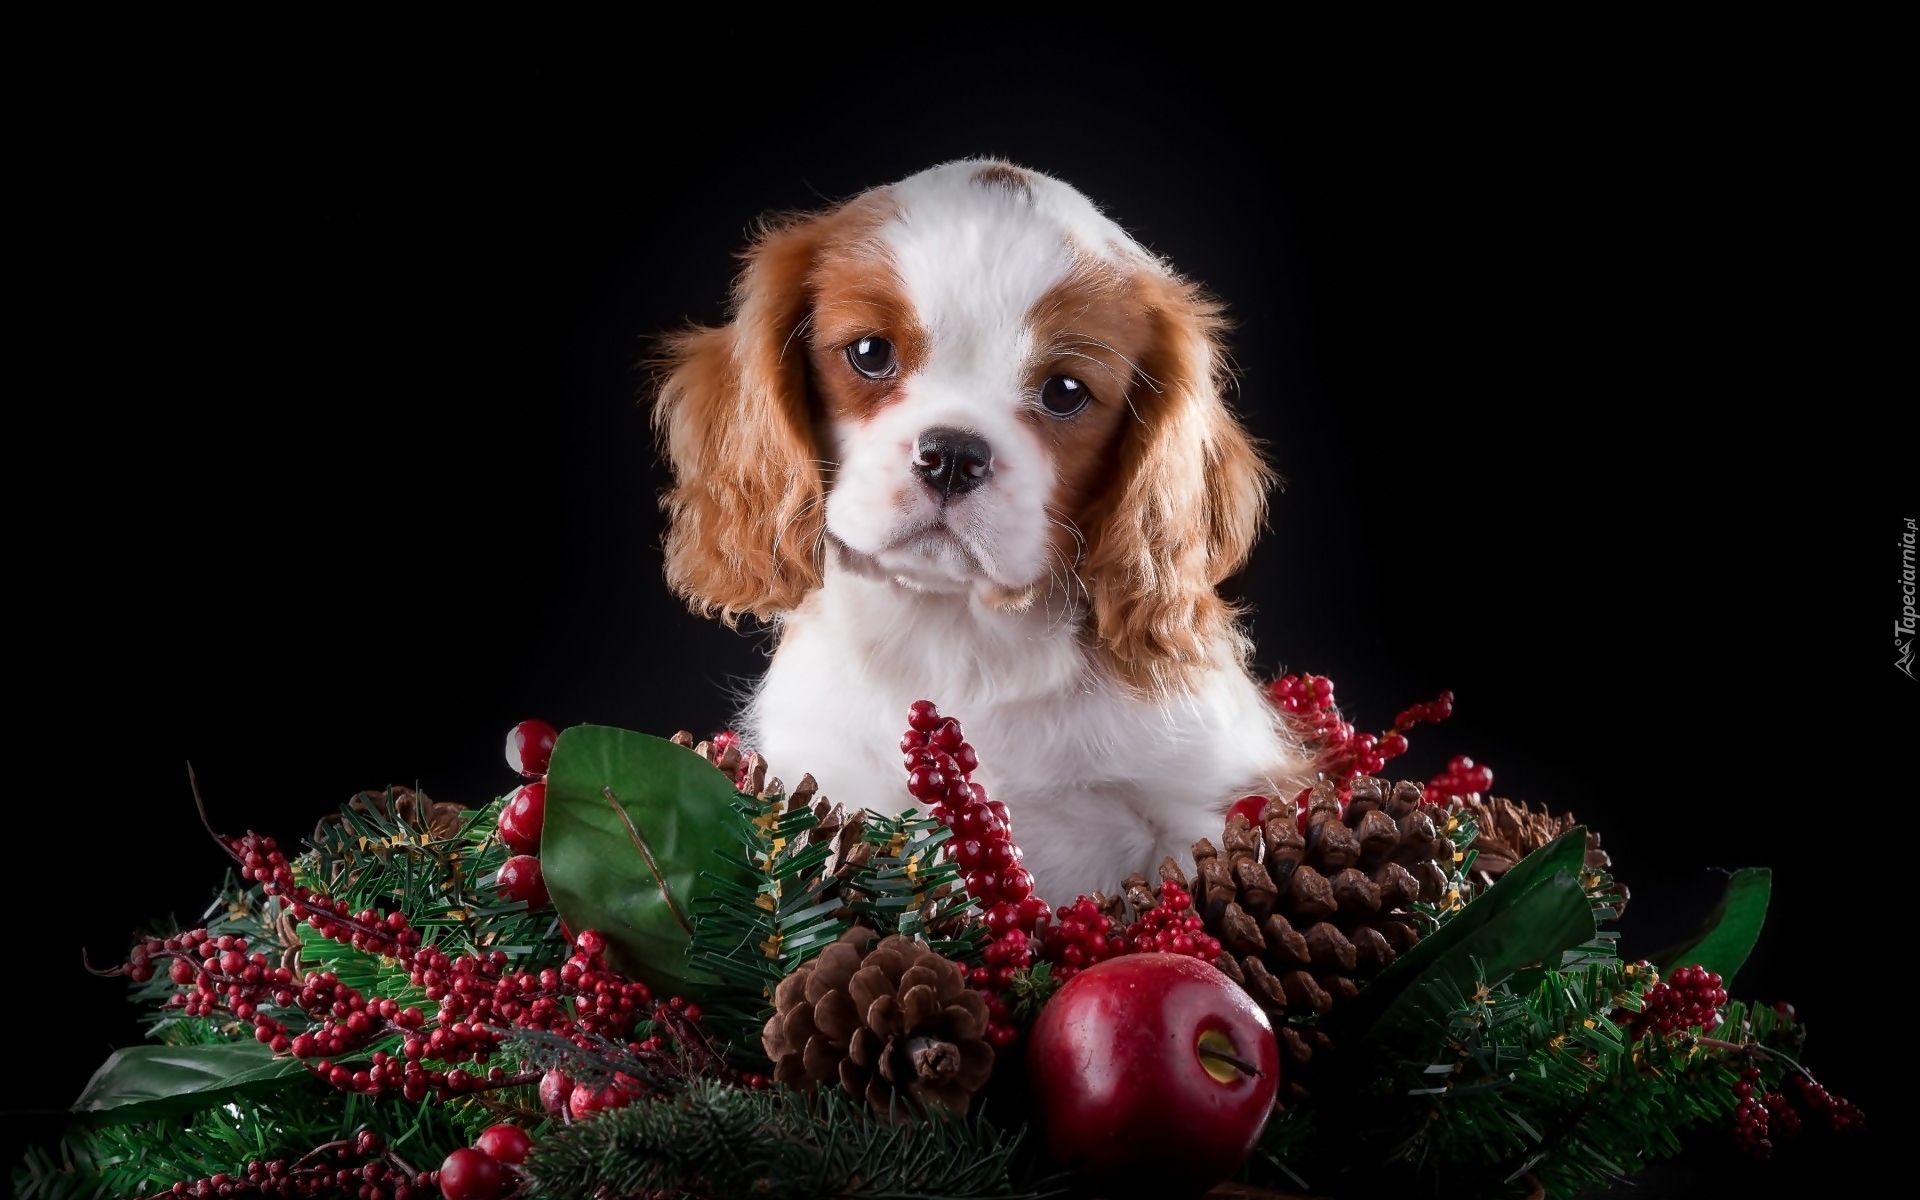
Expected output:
(800, 326)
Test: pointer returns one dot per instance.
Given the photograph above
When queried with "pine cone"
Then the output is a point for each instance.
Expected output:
(1509, 831)
(439, 819)
(894, 1018)
(1306, 920)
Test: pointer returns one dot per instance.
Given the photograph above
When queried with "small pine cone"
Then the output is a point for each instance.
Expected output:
(892, 1019)
(439, 819)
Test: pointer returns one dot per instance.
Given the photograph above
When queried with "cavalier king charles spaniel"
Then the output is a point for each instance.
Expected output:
(963, 440)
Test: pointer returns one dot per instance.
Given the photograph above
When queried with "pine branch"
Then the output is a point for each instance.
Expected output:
(905, 887)
(436, 862)
(717, 1142)
(1460, 829)
(1544, 1085)
(147, 1159)
(750, 937)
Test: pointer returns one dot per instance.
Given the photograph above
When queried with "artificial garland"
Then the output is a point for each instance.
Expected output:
(652, 970)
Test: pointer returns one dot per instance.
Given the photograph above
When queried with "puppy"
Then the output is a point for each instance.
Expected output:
(963, 440)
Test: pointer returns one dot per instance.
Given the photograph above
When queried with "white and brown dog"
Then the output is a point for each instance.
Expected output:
(963, 440)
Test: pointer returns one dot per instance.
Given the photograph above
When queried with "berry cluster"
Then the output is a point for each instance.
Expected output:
(1023, 927)
(1763, 1120)
(1842, 1115)
(476, 994)
(359, 1166)
(940, 765)
(1463, 777)
(1341, 751)
(1691, 999)
(1172, 927)
(1082, 937)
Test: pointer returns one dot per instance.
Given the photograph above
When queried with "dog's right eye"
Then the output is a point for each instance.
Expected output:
(872, 357)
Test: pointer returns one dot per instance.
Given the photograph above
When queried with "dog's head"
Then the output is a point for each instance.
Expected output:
(967, 381)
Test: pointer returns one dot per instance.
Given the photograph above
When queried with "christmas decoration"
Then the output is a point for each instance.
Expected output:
(650, 968)
(889, 1020)
(1153, 1075)
(1307, 919)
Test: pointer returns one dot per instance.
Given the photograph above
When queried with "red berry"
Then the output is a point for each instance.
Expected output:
(468, 1174)
(923, 717)
(520, 879)
(530, 747)
(504, 1143)
(522, 818)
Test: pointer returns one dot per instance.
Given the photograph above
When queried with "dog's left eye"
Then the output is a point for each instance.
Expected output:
(872, 357)
(1063, 395)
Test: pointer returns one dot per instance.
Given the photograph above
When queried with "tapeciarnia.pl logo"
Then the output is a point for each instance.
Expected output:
(1903, 628)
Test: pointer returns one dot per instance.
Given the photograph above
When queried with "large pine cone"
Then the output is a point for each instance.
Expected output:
(1509, 831)
(894, 1018)
(1306, 919)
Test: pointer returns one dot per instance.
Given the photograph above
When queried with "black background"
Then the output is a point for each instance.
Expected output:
(337, 467)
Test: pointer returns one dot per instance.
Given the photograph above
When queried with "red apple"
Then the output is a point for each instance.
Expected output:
(1153, 1075)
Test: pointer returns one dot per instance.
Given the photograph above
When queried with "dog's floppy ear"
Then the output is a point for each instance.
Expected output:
(745, 513)
(1184, 509)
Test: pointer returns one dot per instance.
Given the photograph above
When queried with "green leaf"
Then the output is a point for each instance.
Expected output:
(1537, 910)
(632, 824)
(1727, 937)
(145, 1083)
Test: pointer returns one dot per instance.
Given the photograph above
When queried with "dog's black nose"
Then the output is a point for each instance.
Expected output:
(952, 461)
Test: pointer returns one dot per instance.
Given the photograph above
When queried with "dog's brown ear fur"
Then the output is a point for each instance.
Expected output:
(1186, 507)
(746, 512)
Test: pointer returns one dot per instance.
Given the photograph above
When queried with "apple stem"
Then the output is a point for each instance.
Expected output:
(1241, 1064)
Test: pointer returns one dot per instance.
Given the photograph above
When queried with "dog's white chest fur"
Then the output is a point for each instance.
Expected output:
(1099, 783)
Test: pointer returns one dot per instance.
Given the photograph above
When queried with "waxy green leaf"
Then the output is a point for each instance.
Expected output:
(145, 1083)
(1537, 910)
(633, 822)
(1729, 934)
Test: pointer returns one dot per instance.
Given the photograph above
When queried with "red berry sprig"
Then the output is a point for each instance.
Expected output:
(1842, 1115)
(1463, 777)
(477, 996)
(361, 1165)
(940, 764)
(1751, 1119)
(1343, 753)
(1690, 999)
(1172, 927)
(1082, 936)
